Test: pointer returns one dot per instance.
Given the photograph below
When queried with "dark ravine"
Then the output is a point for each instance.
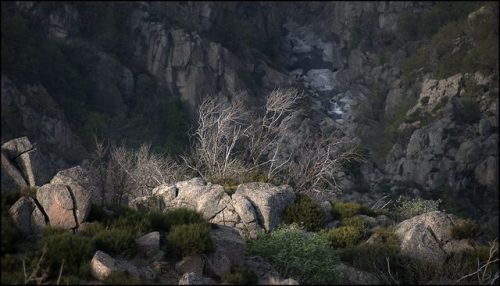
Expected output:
(347, 57)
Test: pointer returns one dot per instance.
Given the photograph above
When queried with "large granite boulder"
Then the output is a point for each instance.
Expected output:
(428, 237)
(102, 265)
(17, 153)
(82, 176)
(269, 201)
(81, 197)
(229, 251)
(27, 216)
(57, 202)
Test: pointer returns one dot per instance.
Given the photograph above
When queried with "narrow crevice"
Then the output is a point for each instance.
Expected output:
(259, 217)
(218, 213)
(74, 206)
(27, 151)
(39, 206)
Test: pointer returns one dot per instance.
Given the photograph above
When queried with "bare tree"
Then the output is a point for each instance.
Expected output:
(220, 126)
(311, 164)
(266, 134)
(318, 162)
(99, 166)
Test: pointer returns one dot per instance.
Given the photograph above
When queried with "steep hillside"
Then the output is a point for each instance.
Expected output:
(413, 84)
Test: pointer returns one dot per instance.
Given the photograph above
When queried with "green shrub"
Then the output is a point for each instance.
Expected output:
(469, 112)
(349, 209)
(178, 216)
(465, 229)
(122, 278)
(187, 239)
(135, 222)
(304, 211)
(10, 234)
(343, 236)
(241, 276)
(407, 208)
(306, 257)
(92, 229)
(385, 236)
(115, 242)
(355, 221)
(75, 250)
(12, 272)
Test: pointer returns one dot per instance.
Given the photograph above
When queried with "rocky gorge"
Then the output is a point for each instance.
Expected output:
(412, 85)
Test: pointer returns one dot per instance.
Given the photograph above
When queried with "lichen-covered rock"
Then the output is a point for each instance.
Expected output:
(148, 244)
(81, 176)
(81, 197)
(102, 265)
(424, 236)
(56, 200)
(17, 152)
(192, 278)
(193, 263)
(269, 201)
(229, 250)
(26, 216)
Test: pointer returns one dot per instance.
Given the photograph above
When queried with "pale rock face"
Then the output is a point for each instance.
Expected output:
(17, 151)
(25, 214)
(428, 236)
(57, 203)
(434, 92)
(81, 196)
(102, 265)
(269, 201)
(81, 176)
(149, 244)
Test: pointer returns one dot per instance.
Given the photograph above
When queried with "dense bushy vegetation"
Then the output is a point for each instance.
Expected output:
(445, 54)
(241, 276)
(407, 208)
(188, 239)
(112, 230)
(307, 258)
(305, 212)
(67, 71)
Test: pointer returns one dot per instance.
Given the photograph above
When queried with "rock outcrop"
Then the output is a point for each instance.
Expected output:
(428, 237)
(252, 208)
(229, 251)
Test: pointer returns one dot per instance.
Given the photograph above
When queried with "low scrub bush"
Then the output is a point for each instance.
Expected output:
(349, 209)
(241, 276)
(343, 236)
(305, 257)
(187, 239)
(304, 211)
(178, 216)
(115, 242)
(407, 208)
(355, 221)
(75, 250)
(465, 229)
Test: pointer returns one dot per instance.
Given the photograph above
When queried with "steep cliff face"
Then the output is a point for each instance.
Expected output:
(142, 62)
